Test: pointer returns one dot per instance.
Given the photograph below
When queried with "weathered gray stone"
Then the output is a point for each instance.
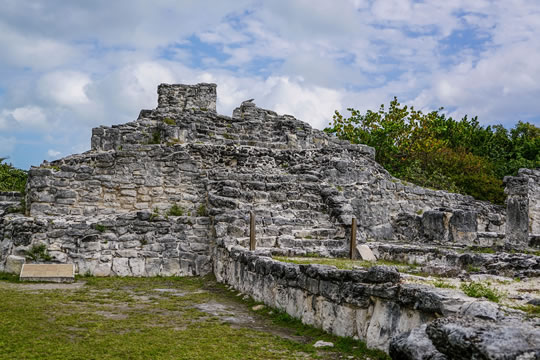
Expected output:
(472, 338)
(414, 345)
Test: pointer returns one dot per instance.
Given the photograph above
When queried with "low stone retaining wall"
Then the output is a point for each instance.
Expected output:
(371, 305)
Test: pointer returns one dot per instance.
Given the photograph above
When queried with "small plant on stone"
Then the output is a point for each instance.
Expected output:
(228, 136)
(477, 290)
(176, 210)
(201, 211)
(155, 214)
(144, 242)
(169, 121)
(156, 137)
(339, 188)
(100, 227)
(38, 253)
(419, 212)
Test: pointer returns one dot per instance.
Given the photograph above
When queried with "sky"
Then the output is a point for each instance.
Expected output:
(69, 66)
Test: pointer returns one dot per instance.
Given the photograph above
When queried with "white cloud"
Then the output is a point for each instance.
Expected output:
(66, 88)
(53, 153)
(30, 117)
(35, 51)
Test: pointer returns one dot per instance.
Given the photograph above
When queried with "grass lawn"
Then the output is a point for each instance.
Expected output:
(152, 318)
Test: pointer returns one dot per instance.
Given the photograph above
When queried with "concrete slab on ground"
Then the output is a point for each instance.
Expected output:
(48, 272)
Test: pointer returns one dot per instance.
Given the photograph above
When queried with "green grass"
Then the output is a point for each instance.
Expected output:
(128, 318)
(531, 310)
(481, 250)
(4, 276)
(154, 214)
(479, 290)
(443, 284)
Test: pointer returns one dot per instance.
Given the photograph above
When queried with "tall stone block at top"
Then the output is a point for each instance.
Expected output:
(185, 97)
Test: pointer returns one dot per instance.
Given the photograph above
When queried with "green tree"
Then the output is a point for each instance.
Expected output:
(439, 152)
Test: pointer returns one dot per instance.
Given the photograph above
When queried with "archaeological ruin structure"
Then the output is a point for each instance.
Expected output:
(171, 194)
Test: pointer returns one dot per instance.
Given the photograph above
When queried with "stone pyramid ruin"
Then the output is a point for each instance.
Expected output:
(171, 194)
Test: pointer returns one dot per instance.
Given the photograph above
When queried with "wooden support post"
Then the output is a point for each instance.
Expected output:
(251, 231)
(353, 239)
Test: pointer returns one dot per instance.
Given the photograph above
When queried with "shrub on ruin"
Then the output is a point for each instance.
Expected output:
(38, 252)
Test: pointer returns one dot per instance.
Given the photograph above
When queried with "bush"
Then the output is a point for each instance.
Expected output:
(12, 179)
(438, 152)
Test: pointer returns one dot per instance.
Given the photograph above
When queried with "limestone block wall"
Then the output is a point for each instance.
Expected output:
(131, 244)
(371, 305)
(135, 178)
